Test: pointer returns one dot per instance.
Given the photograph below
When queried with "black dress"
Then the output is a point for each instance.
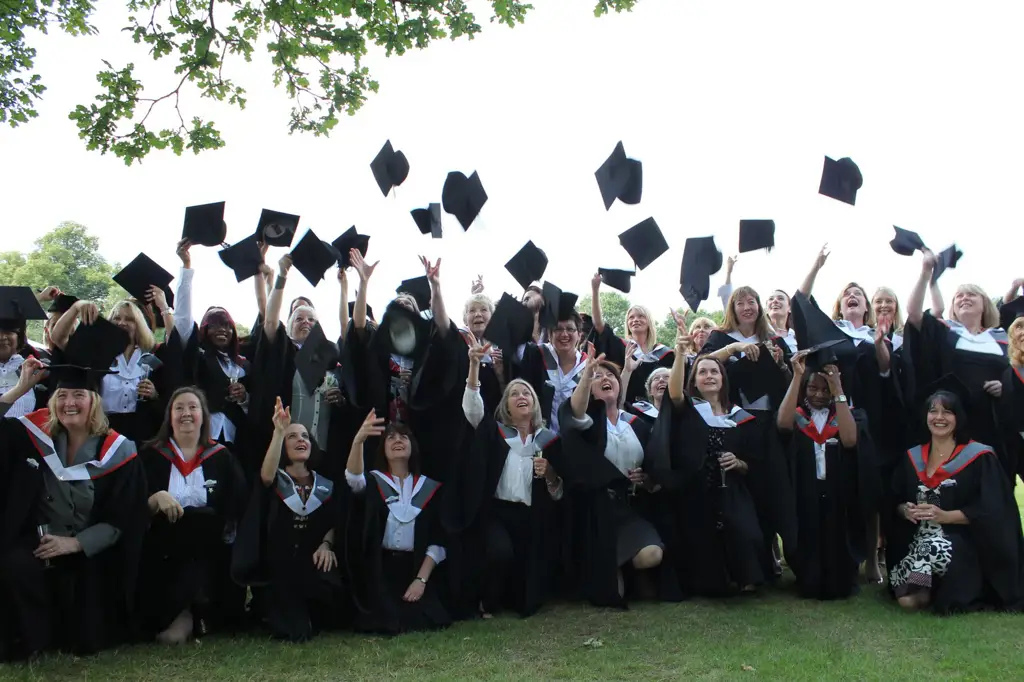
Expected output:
(832, 511)
(283, 527)
(79, 604)
(186, 564)
(965, 567)
(501, 553)
(381, 576)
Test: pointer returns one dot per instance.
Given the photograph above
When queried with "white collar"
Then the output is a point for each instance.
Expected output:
(721, 421)
(863, 333)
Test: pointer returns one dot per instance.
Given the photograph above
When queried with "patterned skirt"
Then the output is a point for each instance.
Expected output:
(927, 557)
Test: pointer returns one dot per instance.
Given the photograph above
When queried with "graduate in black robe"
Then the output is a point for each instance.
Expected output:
(828, 448)
(603, 457)
(499, 509)
(1011, 417)
(289, 542)
(73, 516)
(959, 546)
(639, 349)
(395, 539)
(197, 494)
(721, 469)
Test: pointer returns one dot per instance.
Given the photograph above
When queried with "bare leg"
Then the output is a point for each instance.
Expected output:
(871, 572)
(648, 557)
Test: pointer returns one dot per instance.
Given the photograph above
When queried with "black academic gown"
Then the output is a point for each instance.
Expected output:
(985, 570)
(722, 542)
(274, 551)
(597, 489)
(752, 380)
(81, 604)
(935, 354)
(832, 514)
(474, 520)
(186, 564)
(537, 366)
(1011, 417)
(614, 349)
(381, 577)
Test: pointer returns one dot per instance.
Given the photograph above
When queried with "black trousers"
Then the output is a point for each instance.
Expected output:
(62, 606)
(507, 540)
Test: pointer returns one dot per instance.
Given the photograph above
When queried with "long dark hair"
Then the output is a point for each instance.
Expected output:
(315, 453)
(950, 401)
(218, 313)
(380, 461)
(165, 433)
(691, 382)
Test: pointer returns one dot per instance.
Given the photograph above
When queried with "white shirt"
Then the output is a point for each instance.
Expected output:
(189, 491)
(120, 391)
(400, 529)
(622, 448)
(8, 380)
(820, 418)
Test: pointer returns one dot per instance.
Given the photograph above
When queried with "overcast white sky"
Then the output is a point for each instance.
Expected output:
(731, 106)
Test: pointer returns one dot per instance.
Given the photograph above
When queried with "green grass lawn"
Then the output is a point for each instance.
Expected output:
(772, 636)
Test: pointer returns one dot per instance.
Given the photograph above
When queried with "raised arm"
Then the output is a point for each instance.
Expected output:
(725, 291)
(847, 424)
(183, 320)
(433, 273)
(273, 313)
(787, 410)
(365, 270)
(343, 306)
(1013, 291)
(915, 303)
(819, 262)
(595, 303)
(581, 395)
(272, 460)
(372, 426)
(472, 403)
(938, 305)
(83, 311)
(30, 373)
(677, 377)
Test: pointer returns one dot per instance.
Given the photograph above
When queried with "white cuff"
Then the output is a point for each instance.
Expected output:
(437, 553)
(357, 482)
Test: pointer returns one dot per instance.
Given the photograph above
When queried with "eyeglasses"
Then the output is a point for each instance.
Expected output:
(565, 330)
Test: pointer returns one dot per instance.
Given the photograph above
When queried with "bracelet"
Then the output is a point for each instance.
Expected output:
(422, 580)
(474, 387)
(330, 545)
(280, 281)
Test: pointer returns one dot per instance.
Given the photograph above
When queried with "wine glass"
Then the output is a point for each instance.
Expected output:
(234, 374)
(43, 530)
(537, 453)
(721, 471)
(146, 371)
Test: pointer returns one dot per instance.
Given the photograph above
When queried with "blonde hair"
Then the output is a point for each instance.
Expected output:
(897, 320)
(1016, 352)
(503, 416)
(652, 332)
(869, 312)
(97, 422)
(762, 329)
(698, 322)
(143, 334)
(477, 298)
(989, 314)
(295, 313)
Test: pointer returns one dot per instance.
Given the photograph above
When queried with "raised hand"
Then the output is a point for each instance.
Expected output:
(183, 253)
(282, 417)
(477, 352)
(834, 379)
(87, 312)
(680, 318)
(433, 272)
(285, 264)
(371, 426)
(31, 373)
(362, 267)
(478, 285)
(595, 281)
(631, 363)
(819, 261)
(593, 361)
(799, 362)
(157, 297)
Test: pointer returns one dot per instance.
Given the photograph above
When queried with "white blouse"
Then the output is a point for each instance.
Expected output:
(623, 448)
(120, 391)
(400, 529)
(189, 491)
(820, 418)
(8, 380)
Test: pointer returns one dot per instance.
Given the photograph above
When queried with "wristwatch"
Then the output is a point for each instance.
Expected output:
(422, 580)
(841, 398)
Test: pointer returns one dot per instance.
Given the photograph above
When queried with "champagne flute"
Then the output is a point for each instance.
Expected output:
(146, 370)
(537, 453)
(234, 374)
(722, 472)
(43, 530)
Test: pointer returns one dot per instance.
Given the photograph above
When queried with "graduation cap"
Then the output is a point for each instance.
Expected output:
(350, 239)
(906, 242)
(617, 279)
(276, 228)
(390, 168)
(644, 242)
(96, 345)
(62, 303)
(352, 309)
(816, 331)
(313, 257)
(701, 259)
(620, 177)
(317, 355)
(401, 324)
(204, 224)
(511, 324)
(840, 180)
(756, 234)
(18, 305)
(418, 288)
(463, 197)
(428, 220)
(143, 272)
(821, 355)
(244, 258)
(947, 258)
(1008, 312)
(558, 305)
(75, 377)
(528, 265)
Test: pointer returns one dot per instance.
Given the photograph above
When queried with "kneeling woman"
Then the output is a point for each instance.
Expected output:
(500, 500)
(197, 495)
(399, 545)
(74, 516)
(285, 545)
(832, 468)
(714, 450)
(604, 454)
(958, 545)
